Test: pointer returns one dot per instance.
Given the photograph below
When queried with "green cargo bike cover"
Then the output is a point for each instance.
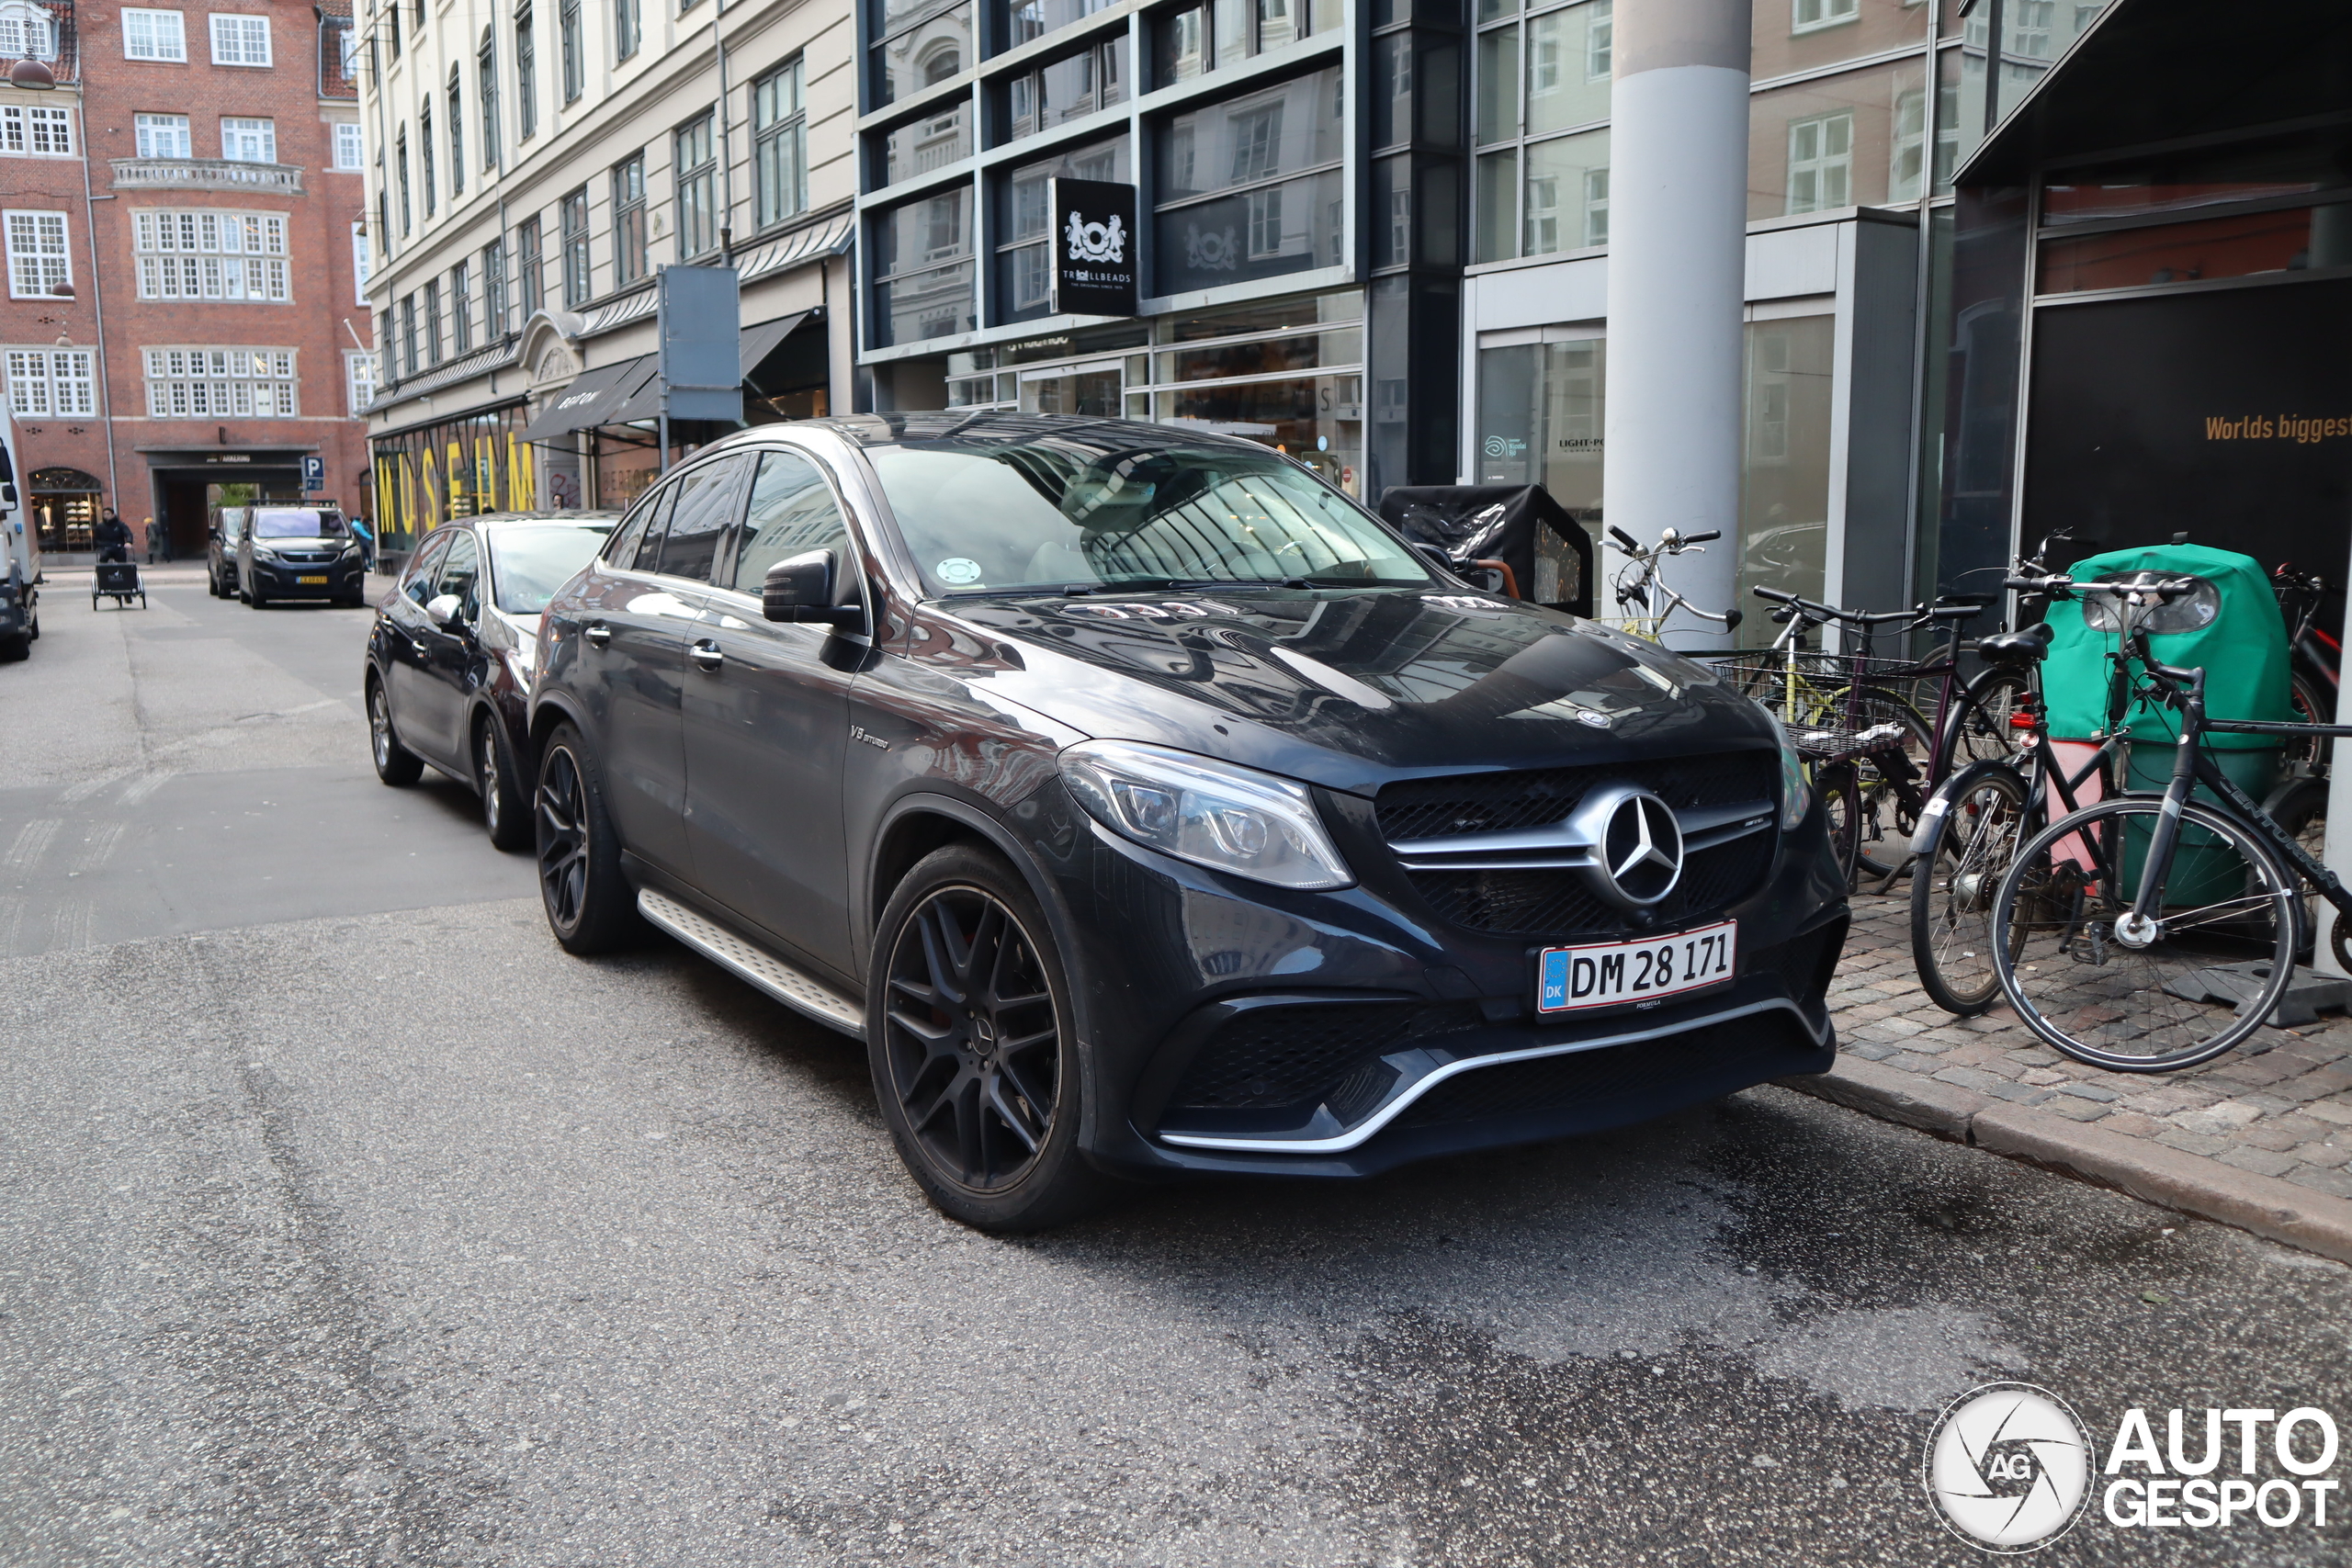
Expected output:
(2242, 652)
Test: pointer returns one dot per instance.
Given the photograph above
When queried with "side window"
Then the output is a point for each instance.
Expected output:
(791, 512)
(705, 506)
(419, 586)
(461, 570)
(624, 549)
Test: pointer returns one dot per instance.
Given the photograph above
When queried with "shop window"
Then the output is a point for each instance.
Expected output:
(1820, 161)
(1784, 472)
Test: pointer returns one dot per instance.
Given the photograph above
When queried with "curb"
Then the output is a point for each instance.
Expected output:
(2275, 1210)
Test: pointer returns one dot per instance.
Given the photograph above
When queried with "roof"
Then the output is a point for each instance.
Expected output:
(2153, 72)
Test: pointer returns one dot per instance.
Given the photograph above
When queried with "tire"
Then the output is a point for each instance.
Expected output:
(984, 1108)
(395, 764)
(256, 598)
(1884, 846)
(1968, 843)
(505, 810)
(1979, 729)
(589, 905)
(2143, 1008)
(32, 631)
(1839, 787)
(2314, 704)
(13, 649)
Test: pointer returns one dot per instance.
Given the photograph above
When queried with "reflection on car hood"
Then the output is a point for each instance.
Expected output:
(1346, 689)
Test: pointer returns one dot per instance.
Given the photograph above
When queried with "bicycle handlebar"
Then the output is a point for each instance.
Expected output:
(1624, 540)
(2063, 587)
(1700, 538)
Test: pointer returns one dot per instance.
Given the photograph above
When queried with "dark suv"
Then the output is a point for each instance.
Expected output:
(1147, 806)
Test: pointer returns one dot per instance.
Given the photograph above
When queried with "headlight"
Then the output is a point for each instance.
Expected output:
(352, 549)
(1796, 794)
(262, 552)
(1210, 813)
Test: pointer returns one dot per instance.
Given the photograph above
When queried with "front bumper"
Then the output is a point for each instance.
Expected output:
(343, 579)
(1241, 1028)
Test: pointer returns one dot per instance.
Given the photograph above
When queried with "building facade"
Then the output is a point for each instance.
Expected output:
(531, 166)
(184, 261)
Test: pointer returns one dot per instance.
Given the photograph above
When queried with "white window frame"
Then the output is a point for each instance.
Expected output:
(24, 127)
(348, 140)
(362, 260)
(32, 249)
(358, 379)
(241, 30)
(27, 31)
(147, 127)
(205, 382)
(1601, 41)
(210, 254)
(1811, 16)
(52, 383)
(166, 36)
(1821, 164)
(236, 127)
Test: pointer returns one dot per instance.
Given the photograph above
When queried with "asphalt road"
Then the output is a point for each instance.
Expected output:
(344, 1220)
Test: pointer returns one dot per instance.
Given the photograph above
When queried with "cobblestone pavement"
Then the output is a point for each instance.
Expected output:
(2279, 1105)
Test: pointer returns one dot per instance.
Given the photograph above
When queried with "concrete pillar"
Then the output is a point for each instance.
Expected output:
(1678, 239)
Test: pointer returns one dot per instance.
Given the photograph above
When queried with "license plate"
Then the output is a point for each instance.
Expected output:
(306, 581)
(1611, 973)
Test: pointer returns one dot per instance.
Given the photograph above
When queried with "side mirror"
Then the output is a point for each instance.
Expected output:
(442, 610)
(7, 493)
(800, 588)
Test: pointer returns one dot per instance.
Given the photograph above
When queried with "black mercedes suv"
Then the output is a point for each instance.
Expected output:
(1147, 806)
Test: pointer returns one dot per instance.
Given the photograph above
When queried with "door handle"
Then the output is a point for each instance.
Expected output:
(598, 635)
(707, 655)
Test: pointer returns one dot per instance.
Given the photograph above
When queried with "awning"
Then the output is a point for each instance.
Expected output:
(594, 398)
(758, 342)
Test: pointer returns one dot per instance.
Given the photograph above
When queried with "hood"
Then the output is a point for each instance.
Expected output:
(1346, 689)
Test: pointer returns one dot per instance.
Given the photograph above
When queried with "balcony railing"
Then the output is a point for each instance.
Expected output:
(205, 173)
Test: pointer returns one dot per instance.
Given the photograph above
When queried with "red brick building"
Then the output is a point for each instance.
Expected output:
(186, 257)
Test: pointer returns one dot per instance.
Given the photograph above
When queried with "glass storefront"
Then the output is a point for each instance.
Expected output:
(1541, 414)
(459, 468)
(1287, 372)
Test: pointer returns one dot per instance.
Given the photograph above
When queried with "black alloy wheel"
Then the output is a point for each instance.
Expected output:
(589, 905)
(504, 811)
(975, 1063)
(395, 764)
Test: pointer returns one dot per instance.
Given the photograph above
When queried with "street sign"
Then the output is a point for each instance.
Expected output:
(1094, 244)
(314, 473)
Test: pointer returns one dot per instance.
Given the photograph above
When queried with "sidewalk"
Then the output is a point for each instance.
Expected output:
(2260, 1138)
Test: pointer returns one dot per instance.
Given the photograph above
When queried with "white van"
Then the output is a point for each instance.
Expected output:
(20, 553)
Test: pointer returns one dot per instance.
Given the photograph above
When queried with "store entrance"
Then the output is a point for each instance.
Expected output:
(66, 504)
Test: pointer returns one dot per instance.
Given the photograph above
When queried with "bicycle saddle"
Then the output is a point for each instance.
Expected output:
(2022, 646)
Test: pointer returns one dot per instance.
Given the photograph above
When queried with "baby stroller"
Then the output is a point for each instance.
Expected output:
(119, 580)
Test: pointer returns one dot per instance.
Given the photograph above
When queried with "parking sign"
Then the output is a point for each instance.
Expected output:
(314, 474)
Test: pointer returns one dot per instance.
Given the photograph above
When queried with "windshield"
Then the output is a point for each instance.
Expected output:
(298, 522)
(530, 564)
(1052, 514)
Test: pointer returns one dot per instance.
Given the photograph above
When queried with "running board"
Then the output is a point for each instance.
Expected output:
(794, 987)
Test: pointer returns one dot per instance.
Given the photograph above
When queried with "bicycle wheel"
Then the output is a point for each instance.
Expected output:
(2217, 960)
(1888, 819)
(1839, 787)
(1966, 848)
(1981, 727)
(2314, 704)
(2300, 807)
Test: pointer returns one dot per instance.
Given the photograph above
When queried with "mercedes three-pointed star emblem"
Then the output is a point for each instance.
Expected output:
(1638, 857)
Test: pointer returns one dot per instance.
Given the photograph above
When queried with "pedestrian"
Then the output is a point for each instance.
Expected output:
(367, 542)
(112, 535)
(159, 541)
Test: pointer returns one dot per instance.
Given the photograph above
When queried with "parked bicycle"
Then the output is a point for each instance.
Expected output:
(1646, 602)
(2152, 933)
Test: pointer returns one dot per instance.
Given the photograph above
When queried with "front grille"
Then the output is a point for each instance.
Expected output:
(1560, 903)
(1274, 1056)
(1757, 1043)
(1495, 803)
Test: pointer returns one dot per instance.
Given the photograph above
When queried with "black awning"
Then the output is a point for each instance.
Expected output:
(595, 397)
(761, 340)
(2160, 71)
